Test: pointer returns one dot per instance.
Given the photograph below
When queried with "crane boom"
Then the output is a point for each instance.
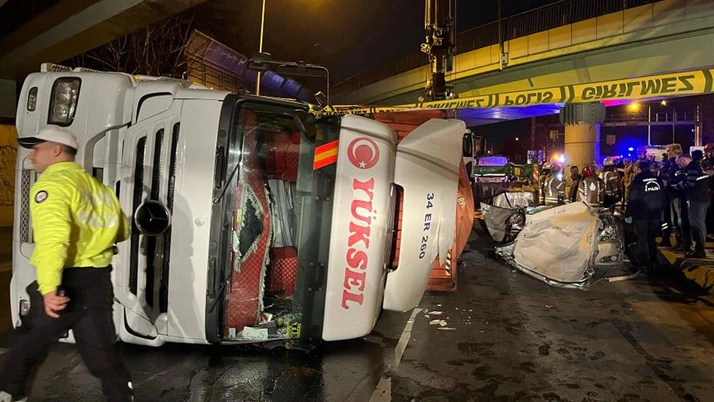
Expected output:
(439, 26)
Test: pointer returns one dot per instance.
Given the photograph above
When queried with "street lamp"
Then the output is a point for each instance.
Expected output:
(635, 107)
(260, 47)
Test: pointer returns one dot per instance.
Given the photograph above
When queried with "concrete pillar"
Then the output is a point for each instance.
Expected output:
(582, 132)
(582, 144)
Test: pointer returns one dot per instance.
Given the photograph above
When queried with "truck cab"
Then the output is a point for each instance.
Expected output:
(251, 220)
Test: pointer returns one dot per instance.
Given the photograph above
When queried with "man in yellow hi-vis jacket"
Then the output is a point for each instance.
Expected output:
(76, 221)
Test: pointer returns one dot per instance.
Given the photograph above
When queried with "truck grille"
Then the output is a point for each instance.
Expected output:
(136, 201)
(26, 181)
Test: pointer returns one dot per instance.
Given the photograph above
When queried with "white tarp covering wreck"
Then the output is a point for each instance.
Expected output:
(557, 245)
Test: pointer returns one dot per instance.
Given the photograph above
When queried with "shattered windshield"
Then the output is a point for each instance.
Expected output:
(276, 222)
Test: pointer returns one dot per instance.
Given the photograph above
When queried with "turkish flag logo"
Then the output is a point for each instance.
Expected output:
(363, 153)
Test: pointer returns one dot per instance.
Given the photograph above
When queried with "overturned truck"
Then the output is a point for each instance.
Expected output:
(252, 221)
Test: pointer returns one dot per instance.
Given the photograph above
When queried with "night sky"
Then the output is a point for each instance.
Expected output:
(347, 36)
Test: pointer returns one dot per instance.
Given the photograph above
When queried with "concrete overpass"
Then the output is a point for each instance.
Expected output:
(66, 28)
(643, 40)
(659, 37)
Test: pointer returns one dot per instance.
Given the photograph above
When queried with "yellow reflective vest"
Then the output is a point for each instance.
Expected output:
(75, 221)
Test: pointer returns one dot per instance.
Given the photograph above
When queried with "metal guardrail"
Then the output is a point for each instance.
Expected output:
(656, 118)
(537, 20)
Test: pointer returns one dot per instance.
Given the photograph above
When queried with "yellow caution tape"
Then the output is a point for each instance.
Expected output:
(655, 86)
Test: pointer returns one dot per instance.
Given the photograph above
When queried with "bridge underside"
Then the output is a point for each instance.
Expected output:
(71, 27)
(663, 37)
(684, 52)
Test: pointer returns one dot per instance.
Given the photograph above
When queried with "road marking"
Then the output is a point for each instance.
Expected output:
(404, 339)
(383, 392)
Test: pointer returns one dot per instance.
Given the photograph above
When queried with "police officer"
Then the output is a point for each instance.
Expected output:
(696, 190)
(647, 198)
(708, 168)
(75, 220)
(591, 189)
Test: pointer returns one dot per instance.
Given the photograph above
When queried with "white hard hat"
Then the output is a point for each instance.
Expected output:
(54, 134)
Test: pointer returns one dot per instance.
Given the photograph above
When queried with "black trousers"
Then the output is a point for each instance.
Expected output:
(697, 220)
(710, 214)
(680, 221)
(646, 231)
(89, 316)
(667, 226)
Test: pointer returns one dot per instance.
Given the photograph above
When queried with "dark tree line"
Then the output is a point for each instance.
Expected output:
(156, 50)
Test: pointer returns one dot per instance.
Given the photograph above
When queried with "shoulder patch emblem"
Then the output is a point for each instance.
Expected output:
(41, 196)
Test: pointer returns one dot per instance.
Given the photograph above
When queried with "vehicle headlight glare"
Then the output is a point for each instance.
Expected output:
(63, 105)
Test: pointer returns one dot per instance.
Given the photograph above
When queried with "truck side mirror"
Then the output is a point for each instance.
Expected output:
(467, 145)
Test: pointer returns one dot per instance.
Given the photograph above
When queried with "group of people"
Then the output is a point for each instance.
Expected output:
(598, 189)
(679, 207)
(666, 198)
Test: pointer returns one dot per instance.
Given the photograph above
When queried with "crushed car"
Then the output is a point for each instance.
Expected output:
(562, 245)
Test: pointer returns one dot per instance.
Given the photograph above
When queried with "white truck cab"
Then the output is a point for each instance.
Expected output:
(251, 221)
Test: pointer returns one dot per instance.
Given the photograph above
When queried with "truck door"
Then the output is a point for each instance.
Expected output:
(362, 222)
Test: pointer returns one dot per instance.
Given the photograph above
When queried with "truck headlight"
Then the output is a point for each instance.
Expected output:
(32, 99)
(63, 104)
(24, 307)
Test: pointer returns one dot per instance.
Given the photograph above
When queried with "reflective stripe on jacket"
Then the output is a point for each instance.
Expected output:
(554, 189)
(75, 221)
(612, 183)
(591, 190)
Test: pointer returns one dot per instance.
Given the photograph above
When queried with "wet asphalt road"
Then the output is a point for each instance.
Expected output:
(508, 338)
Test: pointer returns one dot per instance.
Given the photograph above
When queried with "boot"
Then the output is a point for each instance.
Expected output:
(681, 249)
(696, 254)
